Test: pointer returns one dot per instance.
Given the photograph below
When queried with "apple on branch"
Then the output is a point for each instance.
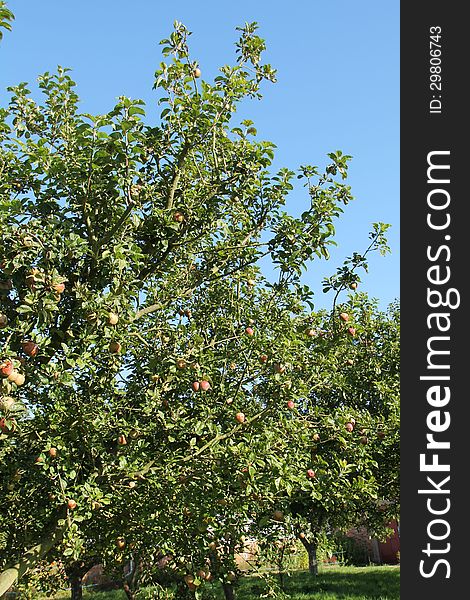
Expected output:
(6, 368)
(30, 348)
(240, 417)
(205, 385)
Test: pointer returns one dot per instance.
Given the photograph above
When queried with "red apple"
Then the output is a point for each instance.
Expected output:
(181, 363)
(240, 417)
(310, 473)
(114, 347)
(122, 441)
(52, 452)
(205, 385)
(30, 348)
(364, 440)
(353, 286)
(6, 368)
(311, 332)
(351, 331)
(349, 426)
(7, 428)
(120, 543)
(72, 504)
(279, 368)
(344, 317)
(249, 331)
(204, 575)
(3, 321)
(178, 216)
(291, 404)
(316, 437)
(189, 580)
(197, 72)
(196, 386)
(263, 358)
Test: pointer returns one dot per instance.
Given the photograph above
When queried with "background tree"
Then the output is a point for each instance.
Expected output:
(352, 447)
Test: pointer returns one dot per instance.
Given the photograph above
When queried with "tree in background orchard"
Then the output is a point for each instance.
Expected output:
(147, 366)
(346, 433)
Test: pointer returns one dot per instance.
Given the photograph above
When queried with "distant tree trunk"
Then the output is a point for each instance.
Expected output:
(280, 564)
(311, 547)
(131, 581)
(75, 574)
(228, 591)
(129, 592)
(312, 559)
(76, 590)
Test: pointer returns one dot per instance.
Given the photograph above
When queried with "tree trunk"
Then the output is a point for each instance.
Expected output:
(280, 566)
(75, 573)
(131, 582)
(228, 591)
(76, 590)
(311, 547)
(312, 559)
(129, 592)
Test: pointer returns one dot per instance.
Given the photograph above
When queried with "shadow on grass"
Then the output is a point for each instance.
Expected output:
(360, 583)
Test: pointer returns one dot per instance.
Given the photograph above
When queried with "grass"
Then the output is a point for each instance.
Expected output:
(338, 583)
(333, 583)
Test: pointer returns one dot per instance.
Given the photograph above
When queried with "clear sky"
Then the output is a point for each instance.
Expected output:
(337, 89)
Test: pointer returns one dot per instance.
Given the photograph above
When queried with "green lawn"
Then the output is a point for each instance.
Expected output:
(333, 583)
(339, 583)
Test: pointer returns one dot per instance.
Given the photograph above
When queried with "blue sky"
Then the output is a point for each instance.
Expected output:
(338, 88)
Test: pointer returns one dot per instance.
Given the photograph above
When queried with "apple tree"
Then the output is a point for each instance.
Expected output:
(149, 371)
(349, 445)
